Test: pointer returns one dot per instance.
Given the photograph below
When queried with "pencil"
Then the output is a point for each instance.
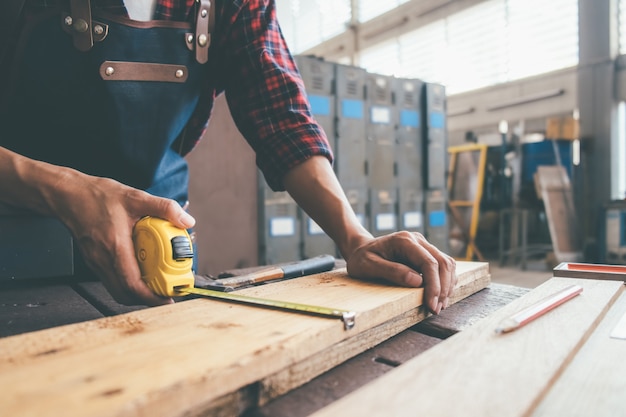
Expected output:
(538, 309)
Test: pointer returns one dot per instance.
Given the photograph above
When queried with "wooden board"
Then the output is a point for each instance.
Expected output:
(595, 383)
(486, 373)
(482, 304)
(184, 358)
(555, 190)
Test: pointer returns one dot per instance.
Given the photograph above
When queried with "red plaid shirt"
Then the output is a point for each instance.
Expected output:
(250, 62)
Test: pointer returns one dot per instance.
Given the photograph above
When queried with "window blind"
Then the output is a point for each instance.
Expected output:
(493, 42)
(369, 9)
(621, 15)
(309, 23)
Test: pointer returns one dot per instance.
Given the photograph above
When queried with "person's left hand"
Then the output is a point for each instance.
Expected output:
(408, 259)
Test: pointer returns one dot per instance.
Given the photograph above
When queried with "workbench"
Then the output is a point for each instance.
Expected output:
(34, 305)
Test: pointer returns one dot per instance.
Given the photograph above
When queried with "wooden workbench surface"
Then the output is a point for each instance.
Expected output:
(562, 364)
(89, 300)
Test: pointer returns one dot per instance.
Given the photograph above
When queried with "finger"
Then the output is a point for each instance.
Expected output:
(137, 290)
(145, 204)
(415, 252)
(451, 267)
(414, 258)
(447, 271)
(172, 211)
(375, 266)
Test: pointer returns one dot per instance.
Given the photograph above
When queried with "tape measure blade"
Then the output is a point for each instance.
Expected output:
(348, 317)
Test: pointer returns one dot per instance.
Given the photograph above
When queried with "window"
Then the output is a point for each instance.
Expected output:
(493, 42)
(621, 15)
(384, 58)
(309, 23)
(369, 9)
(544, 36)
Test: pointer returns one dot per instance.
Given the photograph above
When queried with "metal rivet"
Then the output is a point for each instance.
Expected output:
(68, 20)
(179, 73)
(190, 38)
(109, 71)
(81, 26)
(202, 40)
(203, 13)
(98, 30)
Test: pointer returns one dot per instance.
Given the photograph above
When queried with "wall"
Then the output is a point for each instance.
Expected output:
(530, 100)
(223, 196)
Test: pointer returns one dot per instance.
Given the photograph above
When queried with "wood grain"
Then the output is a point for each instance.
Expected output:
(175, 360)
(482, 304)
(595, 383)
(296, 375)
(488, 374)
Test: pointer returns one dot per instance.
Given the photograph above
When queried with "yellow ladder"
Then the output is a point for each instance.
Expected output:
(465, 190)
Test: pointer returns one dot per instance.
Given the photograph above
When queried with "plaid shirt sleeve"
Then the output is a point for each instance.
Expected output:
(266, 94)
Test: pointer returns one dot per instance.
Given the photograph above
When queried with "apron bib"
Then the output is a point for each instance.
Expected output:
(115, 108)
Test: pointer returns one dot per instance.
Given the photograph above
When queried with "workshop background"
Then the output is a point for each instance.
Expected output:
(495, 127)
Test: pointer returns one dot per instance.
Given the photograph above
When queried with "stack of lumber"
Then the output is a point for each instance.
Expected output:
(205, 356)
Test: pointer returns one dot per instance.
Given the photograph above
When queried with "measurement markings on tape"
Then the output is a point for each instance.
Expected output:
(348, 317)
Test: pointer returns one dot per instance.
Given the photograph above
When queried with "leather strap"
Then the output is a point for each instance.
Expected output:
(142, 71)
(80, 22)
(204, 26)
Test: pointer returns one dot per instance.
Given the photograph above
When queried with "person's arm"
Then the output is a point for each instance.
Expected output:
(403, 258)
(99, 212)
(267, 100)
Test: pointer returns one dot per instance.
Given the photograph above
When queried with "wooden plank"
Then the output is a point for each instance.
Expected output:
(481, 304)
(348, 376)
(178, 359)
(294, 376)
(356, 372)
(595, 383)
(490, 374)
(556, 193)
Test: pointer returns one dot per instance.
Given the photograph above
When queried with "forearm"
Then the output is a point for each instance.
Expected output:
(315, 188)
(29, 184)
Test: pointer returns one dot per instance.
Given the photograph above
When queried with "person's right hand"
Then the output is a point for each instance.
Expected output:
(101, 214)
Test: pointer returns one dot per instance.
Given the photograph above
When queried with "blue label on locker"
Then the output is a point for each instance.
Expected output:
(437, 120)
(352, 109)
(320, 105)
(437, 218)
(409, 118)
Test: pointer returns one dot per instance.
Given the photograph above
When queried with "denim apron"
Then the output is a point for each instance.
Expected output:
(107, 95)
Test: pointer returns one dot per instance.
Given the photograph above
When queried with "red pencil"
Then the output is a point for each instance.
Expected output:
(538, 309)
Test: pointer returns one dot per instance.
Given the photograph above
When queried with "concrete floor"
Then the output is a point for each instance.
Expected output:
(536, 273)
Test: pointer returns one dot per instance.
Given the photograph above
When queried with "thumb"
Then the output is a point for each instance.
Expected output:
(171, 211)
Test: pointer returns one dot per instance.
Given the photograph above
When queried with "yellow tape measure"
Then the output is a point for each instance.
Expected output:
(164, 253)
